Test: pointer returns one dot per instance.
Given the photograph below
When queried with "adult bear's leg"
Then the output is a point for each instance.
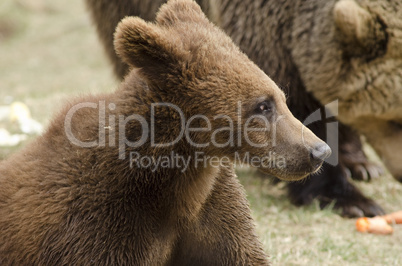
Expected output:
(331, 184)
(224, 232)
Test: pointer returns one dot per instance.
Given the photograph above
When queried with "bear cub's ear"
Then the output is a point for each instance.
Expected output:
(145, 45)
(176, 11)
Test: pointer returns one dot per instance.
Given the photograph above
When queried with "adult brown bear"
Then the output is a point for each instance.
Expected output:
(106, 184)
(318, 52)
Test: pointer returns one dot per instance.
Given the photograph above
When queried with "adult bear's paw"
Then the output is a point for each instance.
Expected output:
(355, 163)
(366, 207)
(363, 170)
(355, 204)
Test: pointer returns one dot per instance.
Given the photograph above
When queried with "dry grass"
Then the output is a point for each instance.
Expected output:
(49, 52)
(308, 236)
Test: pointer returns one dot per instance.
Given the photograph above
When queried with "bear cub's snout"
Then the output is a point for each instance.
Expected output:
(319, 153)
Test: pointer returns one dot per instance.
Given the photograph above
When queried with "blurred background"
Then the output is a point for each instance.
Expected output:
(48, 50)
(49, 53)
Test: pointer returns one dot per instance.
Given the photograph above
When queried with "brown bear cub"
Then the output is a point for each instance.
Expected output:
(132, 178)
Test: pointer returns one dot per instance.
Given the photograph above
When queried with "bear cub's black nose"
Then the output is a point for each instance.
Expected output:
(319, 153)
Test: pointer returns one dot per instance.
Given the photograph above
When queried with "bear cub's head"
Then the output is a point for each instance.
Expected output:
(232, 108)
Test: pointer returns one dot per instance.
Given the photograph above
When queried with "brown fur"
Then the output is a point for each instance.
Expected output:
(62, 204)
(318, 51)
(356, 58)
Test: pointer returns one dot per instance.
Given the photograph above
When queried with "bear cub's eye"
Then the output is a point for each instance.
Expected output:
(396, 125)
(264, 107)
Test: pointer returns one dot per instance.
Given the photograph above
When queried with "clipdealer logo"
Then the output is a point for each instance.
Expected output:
(107, 127)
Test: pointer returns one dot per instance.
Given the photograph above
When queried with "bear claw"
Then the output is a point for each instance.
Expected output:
(362, 208)
(363, 171)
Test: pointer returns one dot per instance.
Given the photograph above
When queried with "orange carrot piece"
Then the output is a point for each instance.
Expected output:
(393, 218)
(362, 224)
(376, 225)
